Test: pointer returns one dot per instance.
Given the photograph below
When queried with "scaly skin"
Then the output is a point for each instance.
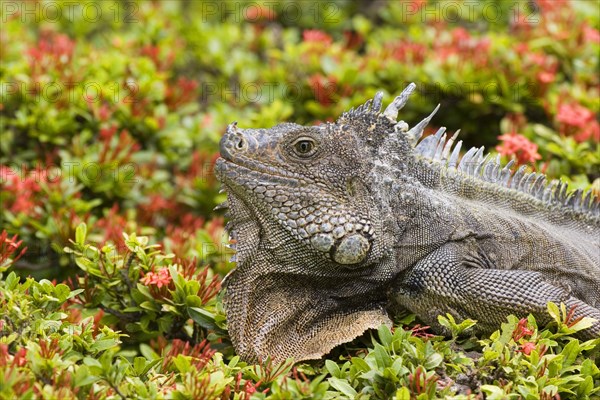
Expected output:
(339, 225)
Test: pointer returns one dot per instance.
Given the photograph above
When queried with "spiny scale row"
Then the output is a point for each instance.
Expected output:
(474, 163)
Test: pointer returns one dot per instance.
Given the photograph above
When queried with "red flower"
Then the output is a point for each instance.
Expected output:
(104, 112)
(151, 52)
(574, 115)
(407, 51)
(553, 5)
(578, 121)
(257, 12)
(9, 254)
(460, 34)
(24, 187)
(514, 144)
(522, 330)
(316, 36)
(182, 92)
(21, 357)
(591, 35)
(323, 88)
(159, 283)
(159, 279)
(157, 55)
(590, 131)
(353, 39)
(522, 48)
(538, 58)
(106, 133)
(416, 5)
(546, 76)
(57, 47)
(158, 203)
(527, 347)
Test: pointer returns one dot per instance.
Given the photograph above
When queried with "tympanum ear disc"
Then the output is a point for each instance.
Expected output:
(352, 249)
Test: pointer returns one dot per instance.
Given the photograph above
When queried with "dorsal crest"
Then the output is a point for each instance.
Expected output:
(441, 150)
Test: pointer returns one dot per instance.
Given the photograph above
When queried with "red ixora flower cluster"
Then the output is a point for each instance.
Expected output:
(24, 187)
(521, 331)
(159, 279)
(517, 145)
(578, 121)
(316, 36)
(323, 88)
(8, 247)
(56, 48)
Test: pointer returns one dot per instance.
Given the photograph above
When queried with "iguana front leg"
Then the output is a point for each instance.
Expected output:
(445, 282)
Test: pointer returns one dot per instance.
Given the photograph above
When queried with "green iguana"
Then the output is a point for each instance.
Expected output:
(338, 225)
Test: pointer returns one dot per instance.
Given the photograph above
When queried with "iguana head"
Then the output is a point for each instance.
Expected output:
(312, 254)
(309, 181)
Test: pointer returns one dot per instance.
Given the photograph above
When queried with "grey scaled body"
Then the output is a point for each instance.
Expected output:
(339, 225)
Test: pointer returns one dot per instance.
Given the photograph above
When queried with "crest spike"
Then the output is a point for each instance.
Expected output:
(455, 154)
(441, 142)
(377, 101)
(417, 131)
(466, 159)
(392, 110)
(448, 145)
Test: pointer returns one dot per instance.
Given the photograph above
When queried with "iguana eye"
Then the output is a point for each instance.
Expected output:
(305, 147)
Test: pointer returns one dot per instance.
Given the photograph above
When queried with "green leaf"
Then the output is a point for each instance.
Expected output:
(233, 362)
(585, 387)
(148, 352)
(62, 292)
(584, 323)
(87, 265)
(83, 377)
(433, 361)
(80, 233)
(103, 344)
(403, 394)
(202, 317)
(385, 335)
(92, 362)
(382, 357)
(554, 312)
(139, 364)
(182, 363)
(493, 392)
(343, 386)
(144, 290)
(11, 281)
(74, 293)
(333, 369)
(570, 353)
(193, 300)
(360, 364)
(150, 305)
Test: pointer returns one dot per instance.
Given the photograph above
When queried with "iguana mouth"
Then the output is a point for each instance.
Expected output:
(235, 173)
